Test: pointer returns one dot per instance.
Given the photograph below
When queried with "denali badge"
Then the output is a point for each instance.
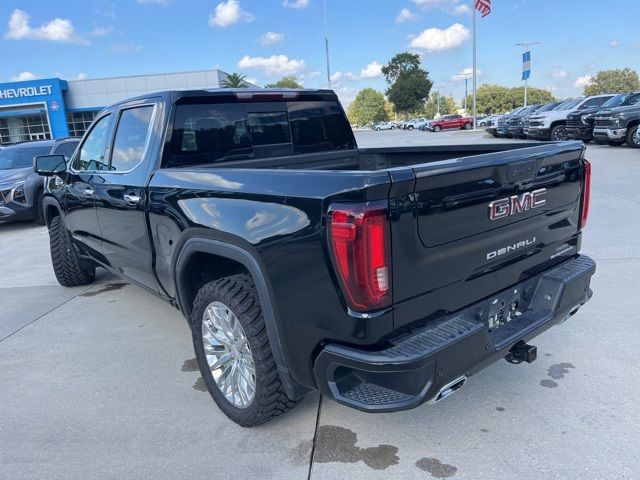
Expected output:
(511, 248)
(517, 204)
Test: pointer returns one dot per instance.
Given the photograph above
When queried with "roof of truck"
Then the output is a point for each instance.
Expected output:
(241, 94)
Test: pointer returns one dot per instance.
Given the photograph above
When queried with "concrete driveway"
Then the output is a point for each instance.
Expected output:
(100, 382)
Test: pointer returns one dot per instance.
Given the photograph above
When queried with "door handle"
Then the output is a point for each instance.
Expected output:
(131, 198)
(89, 191)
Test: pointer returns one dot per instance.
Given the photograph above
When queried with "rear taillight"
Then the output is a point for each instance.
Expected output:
(586, 194)
(359, 243)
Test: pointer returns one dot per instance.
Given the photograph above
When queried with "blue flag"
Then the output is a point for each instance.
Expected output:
(526, 65)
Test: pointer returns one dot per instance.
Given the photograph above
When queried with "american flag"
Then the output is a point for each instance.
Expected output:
(483, 6)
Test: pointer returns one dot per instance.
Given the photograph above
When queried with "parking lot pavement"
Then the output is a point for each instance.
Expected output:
(100, 381)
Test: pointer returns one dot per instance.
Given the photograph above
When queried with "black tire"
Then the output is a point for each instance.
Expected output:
(437, 128)
(66, 264)
(410, 127)
(632, 140)
(482, 124)
(467, 126)
(558, 133)
(38, 215)
(239, 293)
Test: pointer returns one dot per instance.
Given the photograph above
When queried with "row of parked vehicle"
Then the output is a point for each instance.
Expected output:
(608, 119)
(444, 122)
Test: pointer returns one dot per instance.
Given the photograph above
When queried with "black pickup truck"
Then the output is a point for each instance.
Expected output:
(384, 277)
(618, 124)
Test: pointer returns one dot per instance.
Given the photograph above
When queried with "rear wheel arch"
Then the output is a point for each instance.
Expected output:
(236, 258)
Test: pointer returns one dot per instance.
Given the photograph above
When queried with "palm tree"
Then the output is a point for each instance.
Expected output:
(235, 80)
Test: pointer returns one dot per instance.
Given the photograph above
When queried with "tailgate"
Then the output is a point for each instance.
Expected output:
(480, 224)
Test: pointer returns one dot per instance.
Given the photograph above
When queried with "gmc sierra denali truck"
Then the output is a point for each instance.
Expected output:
(384, 277)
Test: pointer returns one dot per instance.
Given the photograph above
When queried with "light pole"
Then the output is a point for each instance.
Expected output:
(326, 44)
(526, 47)
(466, 90)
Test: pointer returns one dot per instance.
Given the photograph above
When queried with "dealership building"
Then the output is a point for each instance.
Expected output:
(56, 108)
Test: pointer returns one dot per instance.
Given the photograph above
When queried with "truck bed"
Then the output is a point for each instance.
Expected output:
(374, 159)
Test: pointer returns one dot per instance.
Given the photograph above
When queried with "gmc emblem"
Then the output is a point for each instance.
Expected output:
(517, 204)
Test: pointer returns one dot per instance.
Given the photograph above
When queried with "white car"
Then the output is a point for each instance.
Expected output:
(551, 125)
(415, 123)
(383, 126)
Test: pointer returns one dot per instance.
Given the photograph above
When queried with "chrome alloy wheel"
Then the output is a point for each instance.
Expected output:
(228, 354)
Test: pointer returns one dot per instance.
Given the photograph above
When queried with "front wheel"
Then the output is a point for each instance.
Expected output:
(66, 264)
(437, 128)
(410, 127)
(233, 352)
(467, 126)
(633, 138)
(558, 133)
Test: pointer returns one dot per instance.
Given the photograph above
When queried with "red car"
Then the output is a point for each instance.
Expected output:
(451, 121)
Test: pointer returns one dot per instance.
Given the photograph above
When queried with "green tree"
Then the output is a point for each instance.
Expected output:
(369, 106)
(235, 80)
(621, 80)
(286, 82)
(409, 85)
(447, 105)
(499, 99)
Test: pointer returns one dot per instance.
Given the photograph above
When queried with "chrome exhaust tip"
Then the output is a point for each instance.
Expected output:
(450, 388)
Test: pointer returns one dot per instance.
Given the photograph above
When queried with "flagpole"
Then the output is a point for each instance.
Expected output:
(475, 111)
(326, 44)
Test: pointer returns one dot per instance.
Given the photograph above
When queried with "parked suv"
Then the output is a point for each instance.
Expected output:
(20, 187)
(580, 123)
(618, 125)
(552, 125)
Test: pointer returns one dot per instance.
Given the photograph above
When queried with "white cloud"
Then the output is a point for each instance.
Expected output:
(252, 80)
(450, 6)
(270, 38)
(101, 31)
(228, 13)
(57, 30)
(347, 95)
(124, 48)
(314, 73)
(461, 9)
(582, 82)
(614, 43)
(467, 71)
(81, 76)
(164, 3)
(435, 40)
(295, 3)
(273, 65)
(405, 15)
(23, 77)
(559, 74)
(372, 70)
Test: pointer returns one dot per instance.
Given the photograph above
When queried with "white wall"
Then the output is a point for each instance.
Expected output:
(102, 92)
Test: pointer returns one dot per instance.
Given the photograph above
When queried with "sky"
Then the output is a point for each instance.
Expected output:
(268, 39)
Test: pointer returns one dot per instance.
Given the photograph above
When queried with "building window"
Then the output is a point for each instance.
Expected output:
(78, 122)
(22, 129)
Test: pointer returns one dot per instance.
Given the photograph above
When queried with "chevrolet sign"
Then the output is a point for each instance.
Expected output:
(23, 92)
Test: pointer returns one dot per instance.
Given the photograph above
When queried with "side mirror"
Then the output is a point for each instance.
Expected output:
(47, 165)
